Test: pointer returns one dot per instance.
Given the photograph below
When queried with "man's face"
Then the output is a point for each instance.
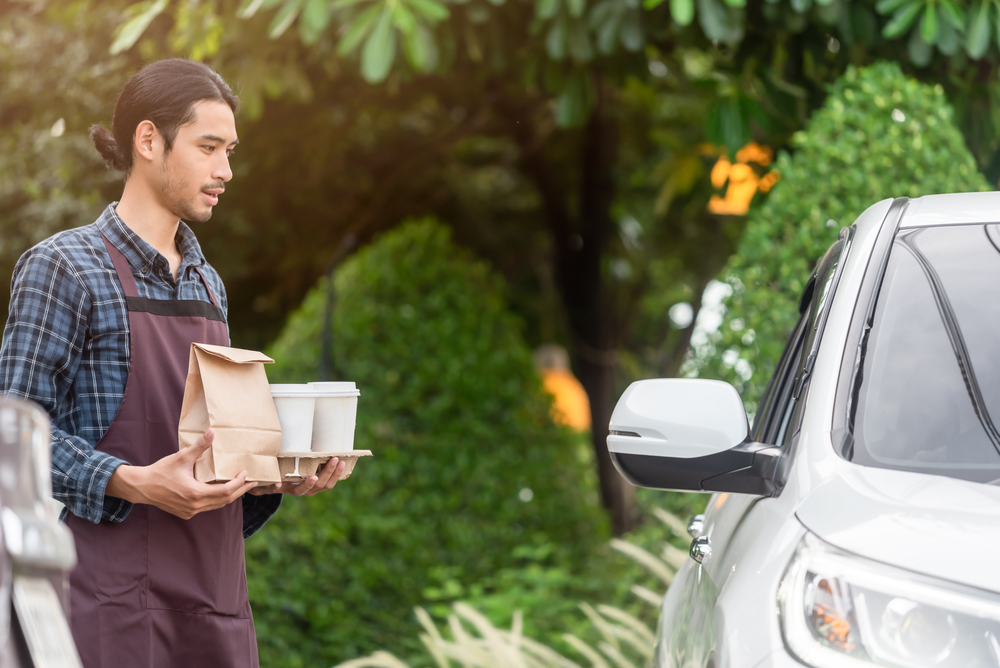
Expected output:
(196, 169)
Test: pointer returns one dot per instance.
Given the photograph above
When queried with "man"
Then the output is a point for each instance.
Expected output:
(101, 322)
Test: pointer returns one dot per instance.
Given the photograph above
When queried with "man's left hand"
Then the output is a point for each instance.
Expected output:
(324, 479)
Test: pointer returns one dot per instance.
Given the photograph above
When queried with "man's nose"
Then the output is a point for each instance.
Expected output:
(222, 171)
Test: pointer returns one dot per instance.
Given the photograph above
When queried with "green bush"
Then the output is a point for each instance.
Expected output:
(880, 134)
(470, 476)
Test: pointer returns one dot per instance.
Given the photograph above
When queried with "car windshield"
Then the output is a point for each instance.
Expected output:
(929, 394)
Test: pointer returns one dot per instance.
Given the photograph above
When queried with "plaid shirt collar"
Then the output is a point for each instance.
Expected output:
(140, 255)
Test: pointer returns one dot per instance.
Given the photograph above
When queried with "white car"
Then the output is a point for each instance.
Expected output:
(857, 523)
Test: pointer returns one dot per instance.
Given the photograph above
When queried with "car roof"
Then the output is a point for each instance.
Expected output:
(953, 209)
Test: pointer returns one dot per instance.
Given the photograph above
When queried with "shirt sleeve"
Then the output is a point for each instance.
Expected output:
(39, 358)
(257, 510)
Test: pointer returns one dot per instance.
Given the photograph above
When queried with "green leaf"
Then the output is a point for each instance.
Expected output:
(977, 37)
(948, 41)
(358, 29)
(602, 12)
(431, 10)
(420, 50)
(920, 52)
(284, 18)
(579, 42)
(571, 105)
(651, 4)
(998, 25)
(727, 125)
(719, 22)
(952, 13)
(314, 20)
(682, 11)
(631, 33)
(929, 24)
(555, 40)
(546, 9)
(403, 18)
(606, 19)
(379, 50)
(889, 6)
(736, 3)
(576, 7)
(127, 34)
(902, 20)
(342, 4)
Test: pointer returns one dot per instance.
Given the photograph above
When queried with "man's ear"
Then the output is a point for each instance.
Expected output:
(147, 141)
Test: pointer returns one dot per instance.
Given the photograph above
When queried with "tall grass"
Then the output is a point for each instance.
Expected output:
(470, 640)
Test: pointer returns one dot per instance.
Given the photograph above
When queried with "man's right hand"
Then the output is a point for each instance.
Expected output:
(170, 485)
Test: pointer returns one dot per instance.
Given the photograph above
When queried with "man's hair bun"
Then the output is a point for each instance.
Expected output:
(163, 93)
(107, 147)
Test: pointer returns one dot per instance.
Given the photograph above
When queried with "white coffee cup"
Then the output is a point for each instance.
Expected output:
(335, 416)
(296, 405)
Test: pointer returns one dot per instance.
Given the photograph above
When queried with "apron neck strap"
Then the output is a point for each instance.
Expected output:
(122, 268)
(211, 295)
(125, 277)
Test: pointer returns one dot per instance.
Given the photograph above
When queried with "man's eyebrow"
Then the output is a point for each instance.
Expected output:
(219, 139)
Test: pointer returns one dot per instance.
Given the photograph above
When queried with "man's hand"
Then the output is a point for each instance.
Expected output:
(170, 485)
(325, 479)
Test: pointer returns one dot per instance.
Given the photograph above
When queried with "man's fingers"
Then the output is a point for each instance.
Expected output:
(329, 471)
(302, 489)
(230, 488)
(203, 443)
(242, 490)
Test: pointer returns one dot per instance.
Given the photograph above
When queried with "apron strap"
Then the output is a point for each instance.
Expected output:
(122, 268)
(125, 277)
(211, 295)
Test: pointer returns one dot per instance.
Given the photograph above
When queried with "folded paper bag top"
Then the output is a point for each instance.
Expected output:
(227, 390)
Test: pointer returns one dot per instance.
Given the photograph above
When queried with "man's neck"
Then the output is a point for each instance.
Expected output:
(144, 215)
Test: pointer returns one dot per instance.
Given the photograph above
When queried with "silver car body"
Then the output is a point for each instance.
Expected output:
(724, 612)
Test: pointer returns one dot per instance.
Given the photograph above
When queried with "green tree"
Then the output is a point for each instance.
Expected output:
(880, 134)
(469, 470)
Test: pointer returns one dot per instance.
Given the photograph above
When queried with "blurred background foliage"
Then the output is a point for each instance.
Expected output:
(880, 134)
(475, 491)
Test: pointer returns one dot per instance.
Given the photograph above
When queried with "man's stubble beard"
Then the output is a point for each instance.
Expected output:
(173, 198)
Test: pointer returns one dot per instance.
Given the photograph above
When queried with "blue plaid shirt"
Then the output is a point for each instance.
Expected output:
(66, 347)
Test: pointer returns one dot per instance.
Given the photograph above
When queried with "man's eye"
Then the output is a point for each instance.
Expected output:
(208, 148)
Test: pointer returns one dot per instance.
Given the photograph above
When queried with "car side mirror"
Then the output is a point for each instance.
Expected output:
(691, 435)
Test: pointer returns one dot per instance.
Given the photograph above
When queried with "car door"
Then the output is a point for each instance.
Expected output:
(691, 637)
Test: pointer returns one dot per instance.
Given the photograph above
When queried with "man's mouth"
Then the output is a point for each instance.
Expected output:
(212, 195)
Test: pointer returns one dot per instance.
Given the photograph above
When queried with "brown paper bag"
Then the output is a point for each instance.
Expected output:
(227, 390)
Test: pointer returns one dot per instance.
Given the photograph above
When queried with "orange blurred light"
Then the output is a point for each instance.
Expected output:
(754, 152)
(743, 182)
(571, 406)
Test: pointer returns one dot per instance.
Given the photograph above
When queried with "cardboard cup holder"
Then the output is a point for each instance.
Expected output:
(295, 466)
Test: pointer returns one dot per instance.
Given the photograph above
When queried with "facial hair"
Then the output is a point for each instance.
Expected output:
(174, 199)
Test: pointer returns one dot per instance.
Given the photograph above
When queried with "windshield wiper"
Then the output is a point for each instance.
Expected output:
(951, 325)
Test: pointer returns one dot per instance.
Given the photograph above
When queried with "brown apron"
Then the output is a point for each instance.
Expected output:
(155, 590)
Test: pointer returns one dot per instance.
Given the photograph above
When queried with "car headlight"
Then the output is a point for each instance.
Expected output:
(839, 610)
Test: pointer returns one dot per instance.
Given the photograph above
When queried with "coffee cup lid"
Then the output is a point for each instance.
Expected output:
(325, 389)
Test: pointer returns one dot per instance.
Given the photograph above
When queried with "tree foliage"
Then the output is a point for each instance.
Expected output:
(469, 470)
(880, 134)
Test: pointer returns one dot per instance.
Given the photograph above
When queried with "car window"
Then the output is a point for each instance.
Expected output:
(928, 398)
(780, 387)
(781, 407)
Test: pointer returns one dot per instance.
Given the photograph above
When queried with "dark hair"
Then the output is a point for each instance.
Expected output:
(164, 93)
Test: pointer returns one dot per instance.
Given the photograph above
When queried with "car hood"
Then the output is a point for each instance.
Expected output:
(938, 526)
